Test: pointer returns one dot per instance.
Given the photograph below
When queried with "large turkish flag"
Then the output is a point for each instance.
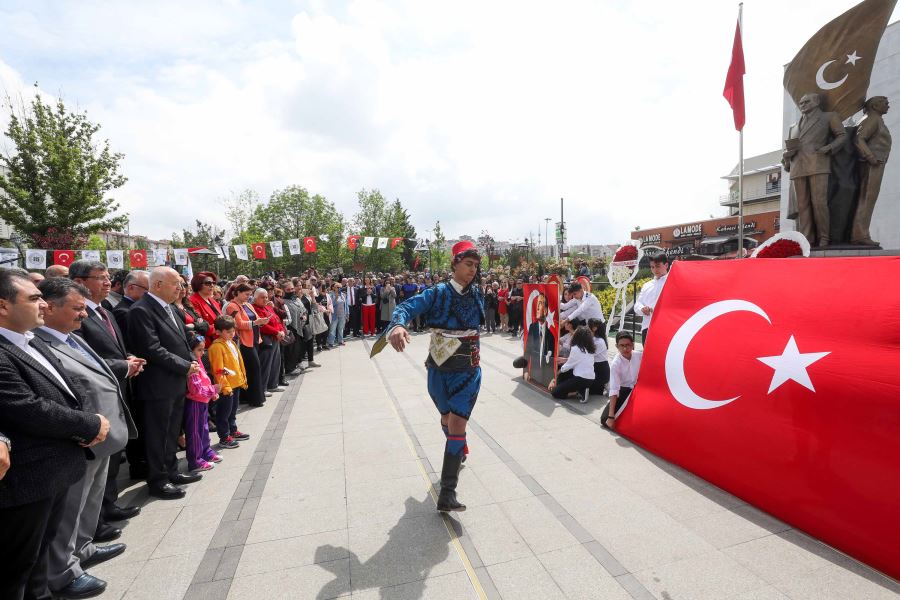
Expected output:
(259, 250)
(777, 381)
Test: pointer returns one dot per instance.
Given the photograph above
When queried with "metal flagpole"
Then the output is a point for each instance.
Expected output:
(740, 251)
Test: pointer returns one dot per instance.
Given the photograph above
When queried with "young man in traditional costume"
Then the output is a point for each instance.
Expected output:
(453, 311)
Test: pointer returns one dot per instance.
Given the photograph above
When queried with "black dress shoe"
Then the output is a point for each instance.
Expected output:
(185, 478)
(167, 492)
(118, 513)
(106, 532)
(102, 554)
(86, 586)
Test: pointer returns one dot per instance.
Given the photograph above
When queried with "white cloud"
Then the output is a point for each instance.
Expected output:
(478, 114)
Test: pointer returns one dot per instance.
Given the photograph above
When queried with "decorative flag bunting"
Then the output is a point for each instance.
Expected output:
(259, 250)
(309, 244)
(63, 257)
(9, 258)
(324, 237)
(395, 241)
(382, 243)
(240, 251)
(181, 257)
(222, 251)
(353, 242)
(90, 255)
(36, 259)
(160, 257)
(294, 247)
(277, 249)
(368, 242)
(137, 258)
(115, 259)
(420, 245)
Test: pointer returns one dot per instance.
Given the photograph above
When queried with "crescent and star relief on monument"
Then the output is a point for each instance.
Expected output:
(829, 85)
(791, 364)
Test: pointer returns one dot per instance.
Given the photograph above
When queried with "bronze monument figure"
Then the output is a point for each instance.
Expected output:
(873, 142)
(807, 158)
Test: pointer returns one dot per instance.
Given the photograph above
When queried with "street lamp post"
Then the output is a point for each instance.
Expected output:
(546, 237)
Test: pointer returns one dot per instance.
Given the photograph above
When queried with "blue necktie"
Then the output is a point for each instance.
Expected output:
(76, 346)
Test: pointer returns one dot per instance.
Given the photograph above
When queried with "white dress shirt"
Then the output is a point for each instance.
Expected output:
(588, 308)
(648, 296)
(566, 308)
(624, 372)
(602, 353)
(21, 341)
(580, 363)
(166, 307)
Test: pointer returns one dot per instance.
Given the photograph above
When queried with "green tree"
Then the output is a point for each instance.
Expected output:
(378, 218)
(95, 242)
(59, 174)
(439, 259)
(399, 225)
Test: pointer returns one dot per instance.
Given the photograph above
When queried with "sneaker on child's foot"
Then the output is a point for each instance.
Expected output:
(240, 436)
(215, 458)
(202, 466)
(313, 364)
(228, 443)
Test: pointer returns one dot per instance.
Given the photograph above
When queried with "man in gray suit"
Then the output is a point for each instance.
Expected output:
(72, 549)
(807, 158)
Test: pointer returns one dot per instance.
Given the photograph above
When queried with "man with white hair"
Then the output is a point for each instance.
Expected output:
(156, 335)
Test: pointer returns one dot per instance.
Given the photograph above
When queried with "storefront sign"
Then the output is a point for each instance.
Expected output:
(733, 227)
(653, 238)
(686, 231)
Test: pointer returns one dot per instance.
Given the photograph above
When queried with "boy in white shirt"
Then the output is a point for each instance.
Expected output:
(623, 376)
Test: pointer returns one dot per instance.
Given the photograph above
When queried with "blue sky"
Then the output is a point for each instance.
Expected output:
(480, 114)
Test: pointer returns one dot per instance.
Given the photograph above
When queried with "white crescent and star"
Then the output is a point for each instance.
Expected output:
(791, 364)
(831, 85)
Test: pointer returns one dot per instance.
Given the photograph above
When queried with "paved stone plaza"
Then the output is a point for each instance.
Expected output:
(330, 498)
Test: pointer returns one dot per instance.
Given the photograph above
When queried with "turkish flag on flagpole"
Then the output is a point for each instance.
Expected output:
(734, 81)
(747, 382)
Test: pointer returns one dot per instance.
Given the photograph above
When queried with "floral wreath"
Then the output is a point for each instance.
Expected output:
(622, 271)
(783, 245)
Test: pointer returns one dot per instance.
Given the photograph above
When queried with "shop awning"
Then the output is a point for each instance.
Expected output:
(716, 240)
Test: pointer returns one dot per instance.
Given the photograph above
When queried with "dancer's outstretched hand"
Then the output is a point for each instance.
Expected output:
(399, 338)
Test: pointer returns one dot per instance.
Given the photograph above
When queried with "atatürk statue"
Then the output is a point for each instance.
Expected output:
(873, 141)
(807, 158)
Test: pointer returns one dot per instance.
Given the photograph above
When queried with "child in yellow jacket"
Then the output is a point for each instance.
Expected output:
(229, 372)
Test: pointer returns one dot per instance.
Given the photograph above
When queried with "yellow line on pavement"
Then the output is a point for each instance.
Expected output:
(467, 564)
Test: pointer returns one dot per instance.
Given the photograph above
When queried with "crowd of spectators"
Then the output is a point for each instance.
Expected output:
(103, 370)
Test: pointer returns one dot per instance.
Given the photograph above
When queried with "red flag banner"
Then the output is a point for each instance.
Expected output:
(765, 378)
(63, 257)
(395, 241)
(309, 244)
(137, 258)
(259, 250)
(353, 242)
(734, 81)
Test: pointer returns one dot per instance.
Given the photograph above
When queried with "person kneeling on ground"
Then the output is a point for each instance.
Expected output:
(577, 374)
(623, 376)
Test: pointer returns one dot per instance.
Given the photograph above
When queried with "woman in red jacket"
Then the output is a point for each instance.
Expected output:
(203, 284)
(272, 333)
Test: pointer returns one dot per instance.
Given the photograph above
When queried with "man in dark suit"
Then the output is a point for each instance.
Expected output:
(354, 304)
(136, 285)
(156, 335)
(103, 335)
(41, 414)
(541, 346)
(72, 550)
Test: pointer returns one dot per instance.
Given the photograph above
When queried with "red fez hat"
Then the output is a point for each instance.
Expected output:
(463, 247)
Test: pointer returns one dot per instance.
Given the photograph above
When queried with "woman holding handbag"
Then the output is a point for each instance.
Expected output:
(313, 324)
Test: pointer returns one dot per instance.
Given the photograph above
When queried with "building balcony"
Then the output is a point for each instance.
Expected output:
(752, 194)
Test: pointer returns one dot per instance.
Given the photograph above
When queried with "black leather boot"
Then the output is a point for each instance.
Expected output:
(447, 501)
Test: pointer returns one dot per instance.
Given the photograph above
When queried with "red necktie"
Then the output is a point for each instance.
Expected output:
(105, 318)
